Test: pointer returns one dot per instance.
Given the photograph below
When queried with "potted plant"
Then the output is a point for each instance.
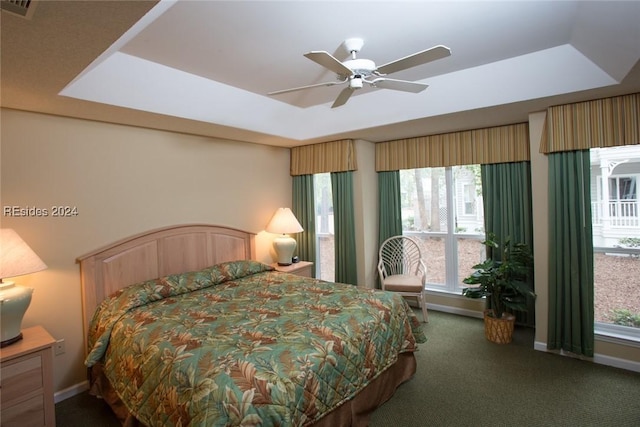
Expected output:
(503, 283)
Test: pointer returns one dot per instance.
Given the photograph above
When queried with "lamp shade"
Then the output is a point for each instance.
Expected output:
(284, 222)
(16, 259)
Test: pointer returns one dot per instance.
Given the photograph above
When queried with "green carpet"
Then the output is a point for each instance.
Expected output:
(464, 380)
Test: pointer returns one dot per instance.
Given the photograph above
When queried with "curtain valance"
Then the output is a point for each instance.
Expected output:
(479, 146)
(606, 122)
(334, 156)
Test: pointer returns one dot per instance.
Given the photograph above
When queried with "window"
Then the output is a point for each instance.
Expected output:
(616, 240)
(442, 207)
(325, 249)
(623, 199)
(469, 199)
(622, 188)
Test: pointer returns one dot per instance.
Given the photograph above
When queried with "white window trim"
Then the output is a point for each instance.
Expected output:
(453, 284)
(608, 332)
(617, 334)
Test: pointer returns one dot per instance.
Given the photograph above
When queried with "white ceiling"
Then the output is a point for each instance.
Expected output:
(205, 67)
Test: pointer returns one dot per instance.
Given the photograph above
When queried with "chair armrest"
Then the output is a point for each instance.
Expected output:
(422, 270)
(381, 270)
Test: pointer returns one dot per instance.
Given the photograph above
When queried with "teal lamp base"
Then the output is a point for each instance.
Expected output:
(14, 301)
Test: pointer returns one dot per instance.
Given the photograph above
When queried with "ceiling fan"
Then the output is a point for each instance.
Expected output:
(356, 72)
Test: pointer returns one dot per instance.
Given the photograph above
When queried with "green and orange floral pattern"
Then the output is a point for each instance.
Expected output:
(238, 344)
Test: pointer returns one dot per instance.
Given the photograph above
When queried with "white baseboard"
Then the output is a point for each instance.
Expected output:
(617, 362)
(601, 359)
(455, 310)
(540, 346)
(68, 392)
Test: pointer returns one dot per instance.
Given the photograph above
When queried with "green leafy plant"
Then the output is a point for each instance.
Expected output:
(624, 317)
(502, 282)
(631, 242)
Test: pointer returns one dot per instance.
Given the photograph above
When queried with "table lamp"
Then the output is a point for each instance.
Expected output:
(284, 222)
(16, 259)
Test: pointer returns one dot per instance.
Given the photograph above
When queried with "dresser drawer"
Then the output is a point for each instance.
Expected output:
(20, 378)
(302, 268)
(304, 271)
(26, 381)
(27, 413)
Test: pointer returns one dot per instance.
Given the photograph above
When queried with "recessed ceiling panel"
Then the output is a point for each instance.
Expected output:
(207, 66)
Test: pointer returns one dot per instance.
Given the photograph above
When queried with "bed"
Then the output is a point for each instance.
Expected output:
(184, 327)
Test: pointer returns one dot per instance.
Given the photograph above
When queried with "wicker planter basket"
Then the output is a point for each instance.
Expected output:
(499, 331)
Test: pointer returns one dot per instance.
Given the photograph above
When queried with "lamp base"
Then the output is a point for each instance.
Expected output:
(14, 301)
(284, 247)
(11, 340)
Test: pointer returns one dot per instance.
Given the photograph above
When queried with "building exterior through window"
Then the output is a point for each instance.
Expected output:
(616, 240)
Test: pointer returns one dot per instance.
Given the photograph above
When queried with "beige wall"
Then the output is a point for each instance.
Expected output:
(365, 203)
(122, 180)
(540, 206)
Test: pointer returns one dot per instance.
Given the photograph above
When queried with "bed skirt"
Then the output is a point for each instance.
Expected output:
(354, 412)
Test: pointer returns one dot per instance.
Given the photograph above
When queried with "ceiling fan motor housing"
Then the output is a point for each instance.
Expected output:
(364, 67)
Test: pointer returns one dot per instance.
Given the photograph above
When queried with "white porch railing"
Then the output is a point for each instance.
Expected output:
(621, 213)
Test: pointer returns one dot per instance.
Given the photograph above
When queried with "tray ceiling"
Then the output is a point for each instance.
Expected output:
(205, 67)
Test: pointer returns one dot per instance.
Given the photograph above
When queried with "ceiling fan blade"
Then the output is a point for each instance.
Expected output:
(278, 92)
(328, 61)
(343, 97)
(419, 58)
(403, 85)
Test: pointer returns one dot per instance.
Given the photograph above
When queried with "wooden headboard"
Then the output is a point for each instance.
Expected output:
(157, 253)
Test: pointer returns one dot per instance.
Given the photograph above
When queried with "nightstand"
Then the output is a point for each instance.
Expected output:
(26, 380)
(301, 268)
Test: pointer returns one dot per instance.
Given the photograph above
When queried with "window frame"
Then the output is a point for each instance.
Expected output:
(451, 237)
(608, 331)
(321, 269)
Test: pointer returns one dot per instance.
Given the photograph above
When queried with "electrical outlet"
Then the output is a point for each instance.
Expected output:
(59, 348)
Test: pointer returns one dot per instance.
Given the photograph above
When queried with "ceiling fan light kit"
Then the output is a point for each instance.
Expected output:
(356, 71)
(356, 83)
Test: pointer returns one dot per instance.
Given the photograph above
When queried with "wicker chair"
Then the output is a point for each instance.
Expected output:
(402, 269)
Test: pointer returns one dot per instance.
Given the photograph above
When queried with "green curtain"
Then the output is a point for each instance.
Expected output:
(506, 192)
(571, 299)
(390, 213)
(303, 208)
(344, 227)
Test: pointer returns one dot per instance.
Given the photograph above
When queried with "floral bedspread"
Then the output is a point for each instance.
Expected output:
(240, 344)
